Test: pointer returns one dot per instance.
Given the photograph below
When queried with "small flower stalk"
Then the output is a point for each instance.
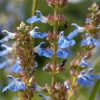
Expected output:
(58, 52)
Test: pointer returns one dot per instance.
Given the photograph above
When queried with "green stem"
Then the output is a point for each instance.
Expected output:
(94, 91)
(55, 29)
(54, 59)
(34, 8)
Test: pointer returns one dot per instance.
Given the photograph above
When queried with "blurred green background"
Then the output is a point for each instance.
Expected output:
(12, 12)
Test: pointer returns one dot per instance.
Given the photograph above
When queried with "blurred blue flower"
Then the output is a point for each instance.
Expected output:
(45, 52)
(84, 62)
(63, 53)
(89, 41)
(76, 31)
(35, 19)
(86, 78)
(16, 84)
(6, 50)
(3, 64)
(88, 20)
(17, 68)
(65, 42)
(37, 87)
(42, 51)
(44, 97)
(9, 36)
(35, 34)
(43, 18)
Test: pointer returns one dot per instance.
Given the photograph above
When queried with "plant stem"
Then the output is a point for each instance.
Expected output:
(34, 8)
(54, 59)
(94, 91)
(72, 89)
(55, 29)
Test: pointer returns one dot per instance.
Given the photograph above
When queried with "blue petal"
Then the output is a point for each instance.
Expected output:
(85, 81)
(40, 35)
(10, 77)
(95, 76)
(85, 64)
(16, 85)
(4, 64)
(64, 53)
(33, 19)
(65, 43)
(44, 52)
(16, 68)
(88, 41)
(72, 34)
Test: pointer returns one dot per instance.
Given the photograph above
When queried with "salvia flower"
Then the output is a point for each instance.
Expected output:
(65, 42)
(77, 30)
(37, 87)
(16, 68)
(3, 64)
(89, 41)
(86, 78)
(8, 37)
(63, 53)
(35, 34)
(33, 19)
(42, 51)
(6, 50)
(16, 84)
(38, 18)
(84, 62)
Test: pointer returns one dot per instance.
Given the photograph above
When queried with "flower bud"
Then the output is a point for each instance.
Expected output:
(57, 3)
(59, 19)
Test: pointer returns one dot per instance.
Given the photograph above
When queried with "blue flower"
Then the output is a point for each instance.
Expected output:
(45, 52)
(89, 41)
(84, 63)
(17, 68)
(76, 31)
(16, 84)
(6, 50)
(35, 19)
(42, 51)
(88, 20)
(44, 97)
(43, 18)
(65, 42)
(63, 53)
(72, 34)
(86, 78)
(37, 87)
(9, 36)
(36, 34)
(4, 64)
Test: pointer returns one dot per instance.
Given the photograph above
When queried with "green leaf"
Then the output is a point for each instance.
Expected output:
(94, 91)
